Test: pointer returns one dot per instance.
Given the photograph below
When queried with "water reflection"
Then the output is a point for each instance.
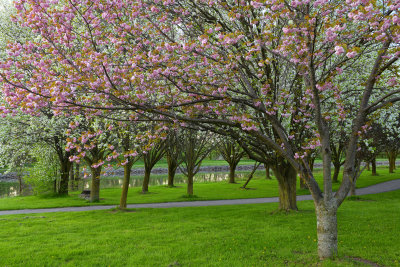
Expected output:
(137, 181)
(12, 189)
(9, 189)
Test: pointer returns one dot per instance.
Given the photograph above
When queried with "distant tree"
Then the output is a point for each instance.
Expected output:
(232, 153)
(196, 145)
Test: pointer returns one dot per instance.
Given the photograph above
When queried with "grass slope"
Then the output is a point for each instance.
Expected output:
(243, 235)
(259, 187)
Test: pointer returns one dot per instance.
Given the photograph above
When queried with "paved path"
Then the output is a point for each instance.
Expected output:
(373, 189)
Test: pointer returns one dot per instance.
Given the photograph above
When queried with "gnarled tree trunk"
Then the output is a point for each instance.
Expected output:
(287, 177)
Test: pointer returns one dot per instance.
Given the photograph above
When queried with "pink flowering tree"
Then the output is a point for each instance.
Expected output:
(258, 71)
(92, 141)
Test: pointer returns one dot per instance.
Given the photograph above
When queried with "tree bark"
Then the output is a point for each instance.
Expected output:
(326, 230)
(336, 173)
(392, 160)
(267, 172)
(95, 188)
(232, 169)
(77, 176)
(251, 174)
(171, 176)
(373, 166)
(125, 186)
(287, 178)
(72, 177)
(190, 184)
(65, 168)
(368, 166)
(146, 180)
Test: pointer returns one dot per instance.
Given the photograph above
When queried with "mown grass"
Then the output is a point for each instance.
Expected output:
(258, 187)
(241, 235)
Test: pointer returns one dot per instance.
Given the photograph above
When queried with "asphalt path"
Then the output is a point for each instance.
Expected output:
(373, 189)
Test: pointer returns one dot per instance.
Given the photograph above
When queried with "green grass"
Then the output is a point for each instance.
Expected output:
(242, 235)
(259, 187)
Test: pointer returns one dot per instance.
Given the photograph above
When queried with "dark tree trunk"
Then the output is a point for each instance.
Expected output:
(251, 174)
(326, 230)
(125, 185)
(392, 160)
(373, 166)
(287, 178)
(232, 169)
(65, 168)
(267, 172)
(190, 184)
(368, 168)
(72, 177)
(172, 166)
(77, 176)
(95, 188)
(171, 176)
(146, 180)
(336, 173)
(55, 186)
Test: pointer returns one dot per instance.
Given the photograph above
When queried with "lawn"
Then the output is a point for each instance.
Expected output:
(242, 235)
(259, 187)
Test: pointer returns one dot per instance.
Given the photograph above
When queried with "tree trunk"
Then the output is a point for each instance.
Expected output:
(146, 180)
(373, 167)
(76, 176)
(171, 176)
(125, 185)
(190, 184)
(65, 168)
(72, 177)
(326, 230)
(232, 168)
(392, 161)
(251, 174)
(336, 173)
(368, 168)
(267, 173)
(287, 178)
(95, 188)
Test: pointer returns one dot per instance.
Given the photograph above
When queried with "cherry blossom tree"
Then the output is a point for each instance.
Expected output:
(264, 72)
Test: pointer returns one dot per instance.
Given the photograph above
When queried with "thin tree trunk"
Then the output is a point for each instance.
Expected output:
(267, 172)
(95, 188)
(65, 168)
(368, 166)
(256, 165)
(190, 184)
(326, 230)
(77, 176)
(336, 173)
(146, 180)
(373, 165)
(72, 177)
(125, 185)
(172, 166)
(392, 161)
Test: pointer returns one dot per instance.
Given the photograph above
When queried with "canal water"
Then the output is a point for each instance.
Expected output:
(11, 189)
